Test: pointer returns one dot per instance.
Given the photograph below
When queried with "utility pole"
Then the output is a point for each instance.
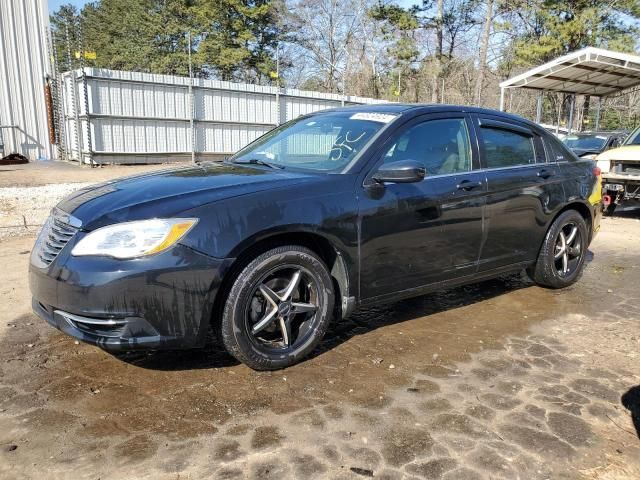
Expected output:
(435, 94)
(484, 47)
(344, 74)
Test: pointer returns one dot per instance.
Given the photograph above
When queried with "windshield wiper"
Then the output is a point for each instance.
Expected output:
(258, 161)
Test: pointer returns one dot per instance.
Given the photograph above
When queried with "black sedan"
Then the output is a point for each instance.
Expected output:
(589, 145)
(329, 212)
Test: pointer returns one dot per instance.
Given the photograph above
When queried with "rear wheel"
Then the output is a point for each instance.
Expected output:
(278, 309)
(561, 259)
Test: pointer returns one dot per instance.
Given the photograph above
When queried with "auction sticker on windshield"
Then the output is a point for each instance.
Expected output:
(373, 117)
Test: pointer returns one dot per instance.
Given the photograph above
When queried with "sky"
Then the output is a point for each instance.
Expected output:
(55, 4)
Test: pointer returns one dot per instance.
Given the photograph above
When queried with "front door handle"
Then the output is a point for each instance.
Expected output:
(544, 173)
(467, 185)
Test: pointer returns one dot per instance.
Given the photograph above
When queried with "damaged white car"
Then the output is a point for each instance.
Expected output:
(621, 173)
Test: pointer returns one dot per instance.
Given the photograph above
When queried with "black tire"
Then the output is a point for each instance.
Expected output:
(609, 209)
(549, 270)
(289, 326)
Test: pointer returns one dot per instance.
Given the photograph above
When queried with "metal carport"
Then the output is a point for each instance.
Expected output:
(590, 71)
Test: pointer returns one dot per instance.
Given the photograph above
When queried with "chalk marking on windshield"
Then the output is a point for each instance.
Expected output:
(340, 144)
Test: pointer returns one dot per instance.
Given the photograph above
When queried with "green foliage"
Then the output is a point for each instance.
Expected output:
(369, 47)
(615, 120)
(238, 37)
(64, 24)
(230, 39)
(559, 27)
(399, 26)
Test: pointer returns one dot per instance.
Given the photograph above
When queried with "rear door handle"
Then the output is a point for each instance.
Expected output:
(544, 173)
(467, 185)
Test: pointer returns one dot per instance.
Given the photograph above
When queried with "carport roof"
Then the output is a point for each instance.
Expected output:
(590, 71)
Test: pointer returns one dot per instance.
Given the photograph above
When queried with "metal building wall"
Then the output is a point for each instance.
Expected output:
(137, 117)
(23, 67)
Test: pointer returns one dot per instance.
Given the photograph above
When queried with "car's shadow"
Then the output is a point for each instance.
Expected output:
(368, 319)
(631, 401)
(626, 212)
(213, 355)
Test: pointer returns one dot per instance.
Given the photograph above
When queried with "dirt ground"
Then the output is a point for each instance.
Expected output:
(501, 379)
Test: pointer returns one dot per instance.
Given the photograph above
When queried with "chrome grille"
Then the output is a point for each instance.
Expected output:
(55, 234)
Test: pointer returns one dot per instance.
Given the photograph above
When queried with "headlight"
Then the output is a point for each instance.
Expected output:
(134, 239)
(589, 156)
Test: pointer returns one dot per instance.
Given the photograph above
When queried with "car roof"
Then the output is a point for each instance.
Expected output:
(419, 108)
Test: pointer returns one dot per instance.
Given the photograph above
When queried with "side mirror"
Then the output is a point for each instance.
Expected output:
(401, 171)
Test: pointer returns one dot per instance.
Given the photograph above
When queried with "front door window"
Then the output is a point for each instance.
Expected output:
(442, 145)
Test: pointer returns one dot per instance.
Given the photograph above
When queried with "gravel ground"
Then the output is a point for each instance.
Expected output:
(24, 209)
(29, 192)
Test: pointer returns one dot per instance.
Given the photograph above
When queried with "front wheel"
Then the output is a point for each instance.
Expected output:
(278, 309)
(561, 259)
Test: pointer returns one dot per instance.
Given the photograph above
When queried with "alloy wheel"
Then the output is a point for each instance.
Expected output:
(282, 308)
(568, 250)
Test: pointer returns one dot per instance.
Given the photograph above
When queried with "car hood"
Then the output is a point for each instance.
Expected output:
(629, 152)
(166, 193)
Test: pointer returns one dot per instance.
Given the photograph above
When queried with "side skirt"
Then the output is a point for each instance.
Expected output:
(456, 282)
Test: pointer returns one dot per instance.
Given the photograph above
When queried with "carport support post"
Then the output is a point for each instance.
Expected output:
(502, 99)
(572, 105)
(539, 108)
(597, 125)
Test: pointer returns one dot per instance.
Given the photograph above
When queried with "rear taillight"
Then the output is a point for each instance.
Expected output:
(597, 171)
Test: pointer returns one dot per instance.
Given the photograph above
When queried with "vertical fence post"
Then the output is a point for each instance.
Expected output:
(192, 106)
(85, 97)
(278, 119)
(73, 93)
(87, 128)
(58, 115)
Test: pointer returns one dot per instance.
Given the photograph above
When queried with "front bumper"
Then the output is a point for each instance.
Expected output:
(163, 301)
(113, 334)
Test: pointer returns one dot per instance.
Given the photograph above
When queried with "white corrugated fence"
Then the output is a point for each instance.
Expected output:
(133, 117)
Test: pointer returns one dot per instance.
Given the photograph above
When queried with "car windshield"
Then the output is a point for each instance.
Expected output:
(634, 138)
(324, 142)
(585, 142)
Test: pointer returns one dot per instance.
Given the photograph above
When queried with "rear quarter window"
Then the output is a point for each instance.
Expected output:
(559, 152)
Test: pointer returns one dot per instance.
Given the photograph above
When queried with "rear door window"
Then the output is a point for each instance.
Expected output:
(506, 148)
